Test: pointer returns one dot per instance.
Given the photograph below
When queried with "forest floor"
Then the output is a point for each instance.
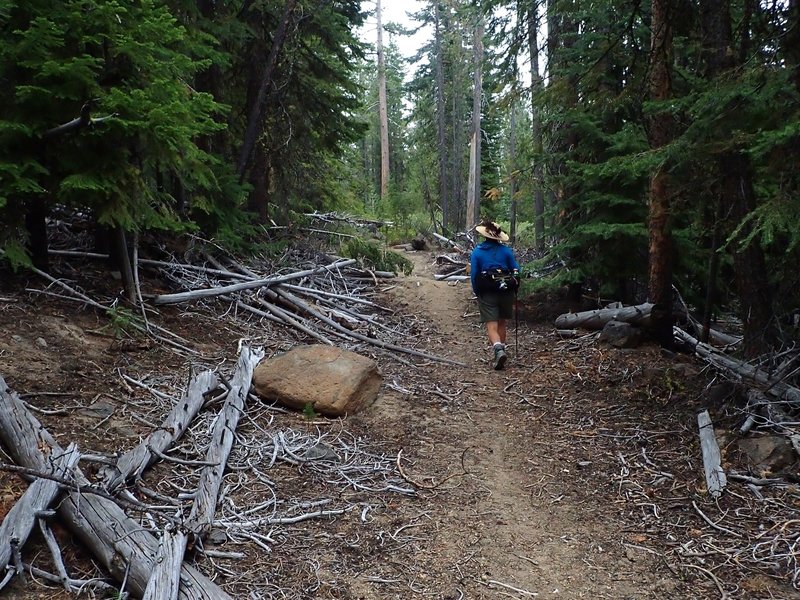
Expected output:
(573, 473)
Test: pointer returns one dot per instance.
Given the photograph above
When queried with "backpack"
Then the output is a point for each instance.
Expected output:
(497, 281)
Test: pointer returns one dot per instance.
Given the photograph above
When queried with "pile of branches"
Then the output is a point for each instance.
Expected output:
(145, 530)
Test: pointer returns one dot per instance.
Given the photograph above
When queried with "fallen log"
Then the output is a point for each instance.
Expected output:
(165, 582)
(596, 319)
(739, 368)
(247, 285)
(18, 523)
(712, 460)
(119, 543)
(205, 500)
(133, 463)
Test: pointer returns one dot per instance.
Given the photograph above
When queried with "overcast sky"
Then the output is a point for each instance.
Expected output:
(395, 11)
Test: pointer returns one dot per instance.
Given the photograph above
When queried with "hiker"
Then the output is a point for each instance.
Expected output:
(494, 273)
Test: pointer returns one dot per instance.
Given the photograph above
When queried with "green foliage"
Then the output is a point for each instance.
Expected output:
(376, 257)
(122, 322)
(309, 412)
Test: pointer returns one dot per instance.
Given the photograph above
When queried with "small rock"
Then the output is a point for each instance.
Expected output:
(217, 536)
(41, 342)
(17, 338)
(98, 409)
(320, 451)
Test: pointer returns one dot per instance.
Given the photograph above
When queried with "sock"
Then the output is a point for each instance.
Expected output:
(498, 346)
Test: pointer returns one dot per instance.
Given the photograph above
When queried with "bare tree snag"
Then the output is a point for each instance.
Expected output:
(473, 211)
(18, 523)
(441, 143)
(119, 543)
(383, 109)
(537, 86)
(712, 460)
(133, 463)
(205, 501)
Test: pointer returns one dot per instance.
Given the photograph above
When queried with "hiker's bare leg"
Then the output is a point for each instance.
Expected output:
(502, 330)
(492, 330)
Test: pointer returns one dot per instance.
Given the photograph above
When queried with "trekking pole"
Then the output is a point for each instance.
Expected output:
(516, 325)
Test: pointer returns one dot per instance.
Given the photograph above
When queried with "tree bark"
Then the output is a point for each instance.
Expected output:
(444, 188)
(383, 109)
(473, 211)
(537, 86)
(660, 134)
(118, 542)
(254, 123)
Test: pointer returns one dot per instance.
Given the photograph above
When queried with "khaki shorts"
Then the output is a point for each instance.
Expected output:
(495, 306)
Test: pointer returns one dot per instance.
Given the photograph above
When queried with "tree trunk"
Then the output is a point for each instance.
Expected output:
(258, 202)
(444, 188)
(383, 110)
(736, 190)
(254, 120)
(36, 224)
(474, 188)
(660, 134)
(512, 177)
(752, 281)
(537, 86)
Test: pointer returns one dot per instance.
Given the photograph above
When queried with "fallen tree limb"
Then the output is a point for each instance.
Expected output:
(133, 463)
(164, 583)
(18, 523)
(354, 334)
(712, 460)
(247, 285)
(742, 369)
(205, 500)
(119, 543)
(449, 242)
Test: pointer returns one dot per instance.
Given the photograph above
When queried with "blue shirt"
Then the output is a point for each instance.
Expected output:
(488, 255)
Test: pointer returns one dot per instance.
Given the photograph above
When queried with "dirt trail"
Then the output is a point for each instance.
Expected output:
(532, 482)
(506, 518)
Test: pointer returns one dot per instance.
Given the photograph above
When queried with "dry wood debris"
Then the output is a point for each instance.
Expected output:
(200, 480)
(743, 530)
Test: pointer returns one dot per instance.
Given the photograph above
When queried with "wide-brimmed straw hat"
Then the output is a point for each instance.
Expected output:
(492, 231)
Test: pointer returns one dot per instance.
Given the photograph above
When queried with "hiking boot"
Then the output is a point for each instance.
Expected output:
(499, 358)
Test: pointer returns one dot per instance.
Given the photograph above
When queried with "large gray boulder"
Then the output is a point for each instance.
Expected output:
(621, 334)
(334, 381)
